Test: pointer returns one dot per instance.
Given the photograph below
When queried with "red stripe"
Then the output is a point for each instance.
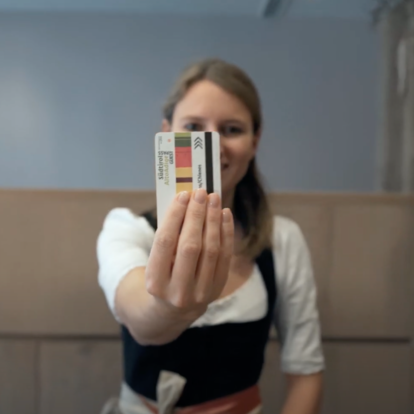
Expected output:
(183, 157)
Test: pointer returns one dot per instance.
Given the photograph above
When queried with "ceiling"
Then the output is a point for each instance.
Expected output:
(299, 8)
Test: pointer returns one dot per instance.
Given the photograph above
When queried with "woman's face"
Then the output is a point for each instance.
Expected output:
(207, 107)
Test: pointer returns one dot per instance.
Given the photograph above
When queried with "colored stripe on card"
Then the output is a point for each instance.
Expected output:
(183, 162)
(184, 179)
(184, 187)
(183, 157)
(183, 172)
(183, 142)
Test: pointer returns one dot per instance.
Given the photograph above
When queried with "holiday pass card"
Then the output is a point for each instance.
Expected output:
(185, 161)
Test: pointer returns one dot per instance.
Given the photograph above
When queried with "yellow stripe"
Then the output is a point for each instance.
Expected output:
(184, 172)
(182, 135)
(184, 187)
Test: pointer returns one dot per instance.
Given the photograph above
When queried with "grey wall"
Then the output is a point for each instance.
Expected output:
(80, 96)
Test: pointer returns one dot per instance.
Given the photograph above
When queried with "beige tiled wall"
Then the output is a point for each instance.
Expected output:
(78, 376)
(372, 258)
(367, 378)
(59, 343)
(18, 375)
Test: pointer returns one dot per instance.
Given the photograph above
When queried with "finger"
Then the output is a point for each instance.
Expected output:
(189, 244)
(210, 252)
(165, 242)
(226, 253)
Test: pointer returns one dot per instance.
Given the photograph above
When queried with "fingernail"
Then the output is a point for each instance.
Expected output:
(183, 198)
(214, 200)
(227, 216)
(200, 196)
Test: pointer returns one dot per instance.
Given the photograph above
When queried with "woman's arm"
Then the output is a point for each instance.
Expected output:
(304, 394)
(147, 320)
(186, 270)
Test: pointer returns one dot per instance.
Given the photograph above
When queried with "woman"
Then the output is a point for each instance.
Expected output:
(197, 297)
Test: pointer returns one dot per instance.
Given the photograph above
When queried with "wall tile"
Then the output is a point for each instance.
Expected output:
(79, 377)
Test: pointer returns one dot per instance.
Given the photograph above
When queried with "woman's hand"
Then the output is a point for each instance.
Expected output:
(190, 257)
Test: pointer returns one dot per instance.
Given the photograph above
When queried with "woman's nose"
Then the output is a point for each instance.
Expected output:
(212, 127)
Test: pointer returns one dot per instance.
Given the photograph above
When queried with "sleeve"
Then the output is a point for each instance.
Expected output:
(123, 244)
(296, 314)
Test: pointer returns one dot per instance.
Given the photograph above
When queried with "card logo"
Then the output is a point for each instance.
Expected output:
(198, 143)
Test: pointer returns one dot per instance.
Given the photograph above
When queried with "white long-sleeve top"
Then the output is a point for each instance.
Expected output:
(125, 242)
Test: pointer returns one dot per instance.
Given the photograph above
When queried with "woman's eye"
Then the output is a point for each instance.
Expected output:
(192, 126)
(231, 130)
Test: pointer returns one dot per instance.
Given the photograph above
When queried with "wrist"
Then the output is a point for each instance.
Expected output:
(171, 314)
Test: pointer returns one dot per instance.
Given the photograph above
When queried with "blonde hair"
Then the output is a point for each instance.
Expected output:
(250, 207)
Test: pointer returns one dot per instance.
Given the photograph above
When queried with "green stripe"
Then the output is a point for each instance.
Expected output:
(182, 135)
(183, 142)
